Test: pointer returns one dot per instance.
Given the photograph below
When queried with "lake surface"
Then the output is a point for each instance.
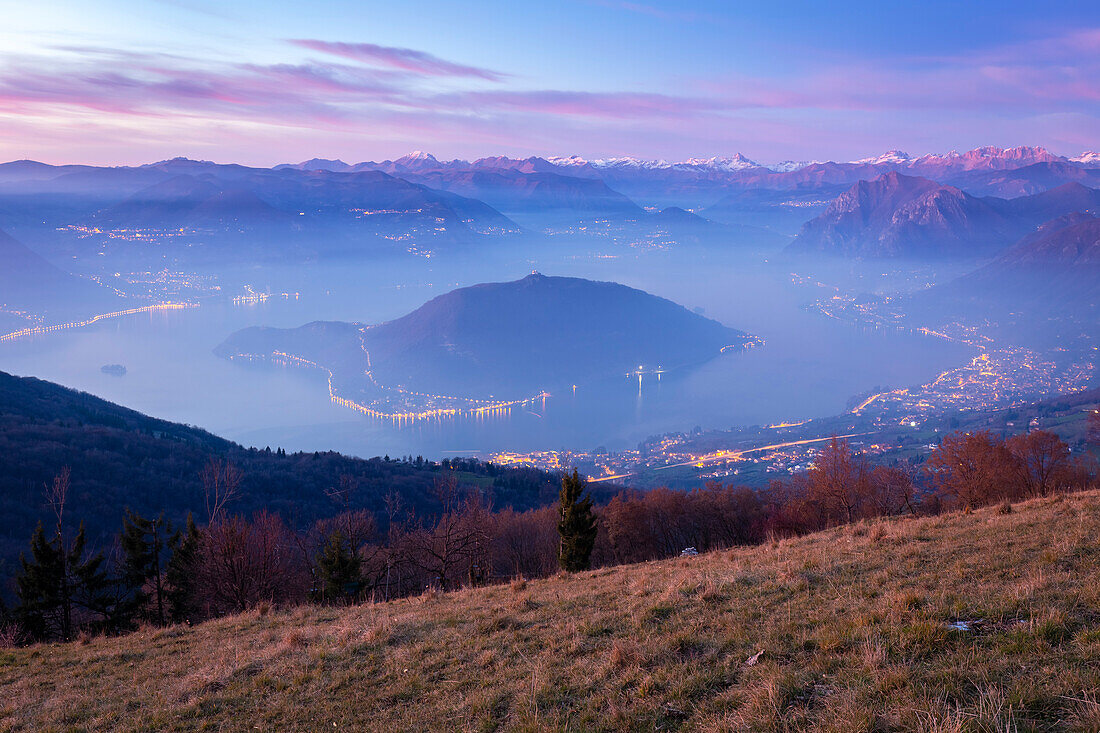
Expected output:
(809, 367)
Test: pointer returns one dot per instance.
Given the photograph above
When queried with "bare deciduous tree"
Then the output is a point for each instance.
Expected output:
(457, 540)
(839, 482)
(973, 468)
(1041, 462)
(244, 563)
(221, 480)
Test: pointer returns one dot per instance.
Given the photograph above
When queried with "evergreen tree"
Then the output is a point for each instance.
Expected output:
(339, 566)
(61, 590)
(181, 574)
(146, 544)
(44, 600)
(94, 593)
(577, 525)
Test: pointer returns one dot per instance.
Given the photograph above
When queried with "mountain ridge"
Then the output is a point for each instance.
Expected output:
(895, 215)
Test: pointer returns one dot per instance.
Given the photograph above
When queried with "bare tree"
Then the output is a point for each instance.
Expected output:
(221, 480)
(1042, 462)
(243, 563)
(890, 491)
(57, 493)
(839, 482)
(973, 468)
(525, 544)
(458, 538)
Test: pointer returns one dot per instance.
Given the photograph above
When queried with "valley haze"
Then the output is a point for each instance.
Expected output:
(703, 367)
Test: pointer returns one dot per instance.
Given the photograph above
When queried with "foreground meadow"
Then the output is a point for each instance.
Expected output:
(983, 621)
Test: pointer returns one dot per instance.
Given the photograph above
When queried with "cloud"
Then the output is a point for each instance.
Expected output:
(362, 95)
(155, 85)
(405, 59)
(152, 86)
(1038, 76)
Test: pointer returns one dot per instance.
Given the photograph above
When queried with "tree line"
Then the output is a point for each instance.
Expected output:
(157, 573)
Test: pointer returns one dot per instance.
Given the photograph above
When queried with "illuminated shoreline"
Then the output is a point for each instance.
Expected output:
(41, 330)
(481, 408)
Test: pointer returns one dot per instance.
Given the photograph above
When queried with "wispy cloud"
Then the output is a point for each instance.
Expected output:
(155, 85)
(1044, 75)
(406, 59)
(376, 98)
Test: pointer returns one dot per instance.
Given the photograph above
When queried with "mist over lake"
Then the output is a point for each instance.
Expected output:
(809, 366)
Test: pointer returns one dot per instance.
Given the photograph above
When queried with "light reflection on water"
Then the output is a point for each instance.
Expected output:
(809, 367)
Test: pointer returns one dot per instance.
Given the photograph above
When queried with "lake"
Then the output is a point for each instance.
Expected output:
(809, 367)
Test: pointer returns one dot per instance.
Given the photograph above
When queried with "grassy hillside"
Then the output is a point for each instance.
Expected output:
(851, 629)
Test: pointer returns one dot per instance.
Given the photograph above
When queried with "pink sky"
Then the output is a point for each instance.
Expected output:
(300, 97)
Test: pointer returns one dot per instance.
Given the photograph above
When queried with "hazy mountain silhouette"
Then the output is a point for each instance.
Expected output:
(27, 281)
(509, 339)
(1026, 181)
(1043, 289)
(896, 215)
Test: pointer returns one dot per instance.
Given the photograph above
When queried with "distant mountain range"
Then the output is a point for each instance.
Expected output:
(715, 184)
(506, 340)
(896, 215)
(202, 212)
(632, 175)
(982, 158)
(211, 213)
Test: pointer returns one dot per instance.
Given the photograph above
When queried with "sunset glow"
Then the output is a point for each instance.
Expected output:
(122, 83)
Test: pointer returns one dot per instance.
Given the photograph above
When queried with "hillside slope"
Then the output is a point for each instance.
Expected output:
(1043, 289)
(29, 282)
(120, 458)
(902, 216)
(983, 621)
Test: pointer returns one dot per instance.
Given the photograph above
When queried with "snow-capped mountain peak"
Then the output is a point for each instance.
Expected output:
(892, 157)
(736, 162)
(567, 161)
(629, 162)
(1090, 159)
(417, 156)
(787, 166)
(728, 164)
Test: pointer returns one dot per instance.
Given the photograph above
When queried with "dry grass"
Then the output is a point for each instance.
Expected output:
(860, 629)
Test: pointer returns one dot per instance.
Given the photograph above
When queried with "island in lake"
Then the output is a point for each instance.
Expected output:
(494, 345)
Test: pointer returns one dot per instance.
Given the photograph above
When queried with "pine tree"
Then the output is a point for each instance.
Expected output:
(92, 588)
(44, 608)
(339, 568)
(181, 574)
(57, 583)
(145, 546)
(577, 525)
